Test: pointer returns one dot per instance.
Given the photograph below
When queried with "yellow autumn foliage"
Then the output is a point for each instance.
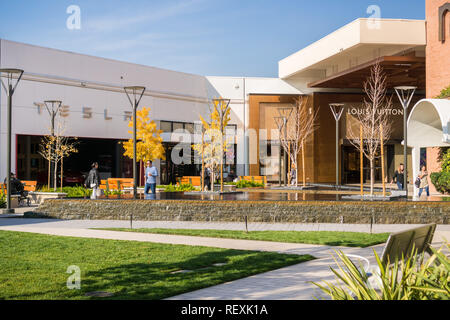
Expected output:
(149, 142)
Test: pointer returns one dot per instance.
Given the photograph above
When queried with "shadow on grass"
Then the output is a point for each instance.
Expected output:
(156, 281)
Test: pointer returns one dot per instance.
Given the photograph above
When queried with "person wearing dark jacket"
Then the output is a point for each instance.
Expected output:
(93, 180)
(16, 185)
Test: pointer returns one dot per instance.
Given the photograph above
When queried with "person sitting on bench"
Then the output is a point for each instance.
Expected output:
(17, 187)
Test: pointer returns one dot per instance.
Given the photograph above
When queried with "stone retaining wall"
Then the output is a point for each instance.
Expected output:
(256, 211)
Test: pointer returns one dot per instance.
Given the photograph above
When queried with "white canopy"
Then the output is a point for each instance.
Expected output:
(428, 126)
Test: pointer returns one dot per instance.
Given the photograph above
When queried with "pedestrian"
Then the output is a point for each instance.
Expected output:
(293, 175)
(207, 178)
(150, 173)
(423, 176)
(93, 181)
(399, 177)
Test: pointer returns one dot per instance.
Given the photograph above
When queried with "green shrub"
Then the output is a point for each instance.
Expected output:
(72, 192)
(441, 180)
(2, 201)
(410, 279)
(445, 93)
(179, 188)
(248, 184)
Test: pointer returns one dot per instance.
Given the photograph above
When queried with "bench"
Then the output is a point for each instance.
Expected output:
(15, 198)
(30, 186)
(258, 179)
(401, 245)
(194, 181)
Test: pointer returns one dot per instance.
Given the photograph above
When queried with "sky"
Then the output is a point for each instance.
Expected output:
(204, 37)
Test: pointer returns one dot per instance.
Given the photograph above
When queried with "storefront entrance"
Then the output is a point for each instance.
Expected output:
(351, 165)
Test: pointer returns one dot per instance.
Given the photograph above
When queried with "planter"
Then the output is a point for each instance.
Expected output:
(226, 188)
(39, 197)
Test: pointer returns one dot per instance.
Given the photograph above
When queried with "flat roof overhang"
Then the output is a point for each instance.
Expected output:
(356, 43)
(399, 70)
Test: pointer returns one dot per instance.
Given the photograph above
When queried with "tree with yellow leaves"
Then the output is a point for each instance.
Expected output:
(214, 143)
(149, 142)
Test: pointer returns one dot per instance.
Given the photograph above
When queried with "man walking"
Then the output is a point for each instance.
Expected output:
(150, 173)
(93, 180)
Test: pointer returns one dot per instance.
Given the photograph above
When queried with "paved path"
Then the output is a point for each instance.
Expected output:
(286, 283)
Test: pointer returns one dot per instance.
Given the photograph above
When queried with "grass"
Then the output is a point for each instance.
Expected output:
(331, 238)
(34, 267)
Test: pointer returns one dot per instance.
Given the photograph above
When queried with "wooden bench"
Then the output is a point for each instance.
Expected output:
(257, 179)
(30, 186)
(194, 181)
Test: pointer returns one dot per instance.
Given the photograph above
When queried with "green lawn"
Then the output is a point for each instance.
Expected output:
(34, 266)
(331, 238)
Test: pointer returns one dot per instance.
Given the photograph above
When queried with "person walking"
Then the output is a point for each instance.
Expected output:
(423, 176)
(399, 177)
(93, 181)
(207, 178)
(150, 173)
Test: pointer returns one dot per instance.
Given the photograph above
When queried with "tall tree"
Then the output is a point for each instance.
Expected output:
(214, 143)
(372, 117)
(149, 141)
(301, 123)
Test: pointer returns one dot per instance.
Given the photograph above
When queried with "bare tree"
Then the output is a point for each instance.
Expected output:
(372, 117)
(54, 148)
(300, 124)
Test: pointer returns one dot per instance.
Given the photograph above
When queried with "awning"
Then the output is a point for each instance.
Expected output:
(428, 124)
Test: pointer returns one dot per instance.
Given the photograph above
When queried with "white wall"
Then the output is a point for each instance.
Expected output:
(57, 75)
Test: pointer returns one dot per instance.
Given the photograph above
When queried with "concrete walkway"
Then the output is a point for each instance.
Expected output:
(287, 283)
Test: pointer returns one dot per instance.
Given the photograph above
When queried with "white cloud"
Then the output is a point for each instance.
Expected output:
(113, 23)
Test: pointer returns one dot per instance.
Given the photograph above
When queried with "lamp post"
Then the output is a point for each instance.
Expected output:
(134, 95)
(337, 109)
(53, 107)
(405, 95)
(11, 75)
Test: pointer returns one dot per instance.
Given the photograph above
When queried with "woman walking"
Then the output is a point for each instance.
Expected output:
(93, 180)
(423, 176)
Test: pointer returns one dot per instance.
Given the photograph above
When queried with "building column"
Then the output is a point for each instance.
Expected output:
(415, 167)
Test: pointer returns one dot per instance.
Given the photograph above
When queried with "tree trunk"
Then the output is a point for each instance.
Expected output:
(372, 176)
(303, 164)
(49, 169)
(62, 163)
(55, 176)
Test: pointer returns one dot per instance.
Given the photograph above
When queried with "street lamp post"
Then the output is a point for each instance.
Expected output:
(11, 75)
(53, 107)
(337, 109)
(134, 95)
(405, 95)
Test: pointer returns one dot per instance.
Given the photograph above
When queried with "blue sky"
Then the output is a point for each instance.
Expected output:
(206, 37)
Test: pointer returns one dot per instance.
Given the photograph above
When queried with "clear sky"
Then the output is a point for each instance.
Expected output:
(206, 37)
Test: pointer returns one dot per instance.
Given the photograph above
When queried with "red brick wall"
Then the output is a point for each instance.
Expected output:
(438, 53)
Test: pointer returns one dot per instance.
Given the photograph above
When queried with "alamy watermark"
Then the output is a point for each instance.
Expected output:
(74, 280)
(73, 22)
(374, 21)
